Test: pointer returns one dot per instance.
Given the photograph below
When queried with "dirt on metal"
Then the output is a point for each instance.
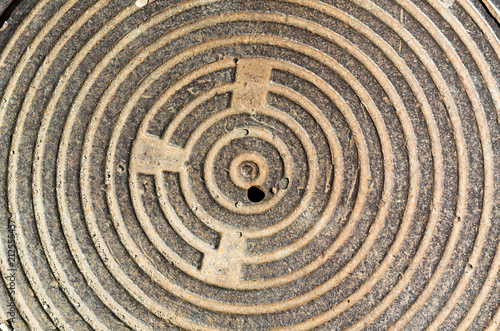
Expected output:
(249, 165)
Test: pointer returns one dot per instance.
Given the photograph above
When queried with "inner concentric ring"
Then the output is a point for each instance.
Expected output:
(239, 161)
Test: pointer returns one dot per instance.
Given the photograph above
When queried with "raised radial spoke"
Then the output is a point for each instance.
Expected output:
(252, 79)
(151, 155)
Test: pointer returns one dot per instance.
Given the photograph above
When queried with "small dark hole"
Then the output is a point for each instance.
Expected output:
(256, 194)
(235, 60)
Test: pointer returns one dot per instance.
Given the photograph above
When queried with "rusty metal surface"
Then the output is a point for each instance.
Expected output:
(249, 165)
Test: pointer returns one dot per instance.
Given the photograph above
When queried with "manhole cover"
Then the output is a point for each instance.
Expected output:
(249, 165)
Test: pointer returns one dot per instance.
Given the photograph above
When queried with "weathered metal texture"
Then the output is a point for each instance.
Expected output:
(250, 165)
